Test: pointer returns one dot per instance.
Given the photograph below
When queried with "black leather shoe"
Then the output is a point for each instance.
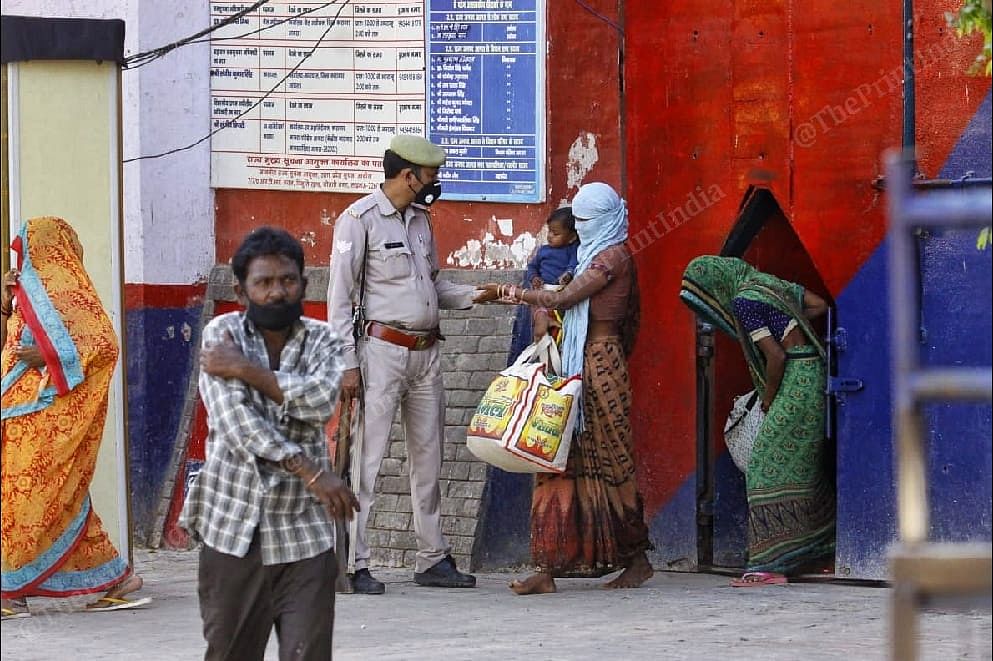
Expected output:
(445, 575)
(364, 583)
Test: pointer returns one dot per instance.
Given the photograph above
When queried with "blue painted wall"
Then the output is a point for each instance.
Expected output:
(956, 321)
(673, 531)
(160, 346)
(730, 514)
(865, 476)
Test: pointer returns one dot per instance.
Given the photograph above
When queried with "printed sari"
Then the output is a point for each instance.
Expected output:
(791, 501)
(589, 521)
(53, 419)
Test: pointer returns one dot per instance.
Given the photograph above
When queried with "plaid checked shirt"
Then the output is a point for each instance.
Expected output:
(241, 485)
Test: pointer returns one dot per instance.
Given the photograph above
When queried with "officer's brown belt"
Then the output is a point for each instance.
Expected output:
(394, 336)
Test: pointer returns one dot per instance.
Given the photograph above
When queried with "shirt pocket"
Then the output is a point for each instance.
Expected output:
(395, 260)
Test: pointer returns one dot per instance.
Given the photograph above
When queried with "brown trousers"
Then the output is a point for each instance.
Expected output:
(241, 599)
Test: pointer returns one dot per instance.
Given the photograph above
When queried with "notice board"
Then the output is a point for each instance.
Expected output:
(307, 95)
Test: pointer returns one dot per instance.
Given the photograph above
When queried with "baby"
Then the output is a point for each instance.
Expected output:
(553, 265)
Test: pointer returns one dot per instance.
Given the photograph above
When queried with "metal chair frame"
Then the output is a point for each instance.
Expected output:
(919, 567)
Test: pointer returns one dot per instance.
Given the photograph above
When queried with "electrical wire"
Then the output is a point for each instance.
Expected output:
(255, 105)
(602, 17)
(240, 36)
(138, 59)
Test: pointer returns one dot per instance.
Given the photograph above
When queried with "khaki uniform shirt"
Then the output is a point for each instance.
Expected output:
(401, 287)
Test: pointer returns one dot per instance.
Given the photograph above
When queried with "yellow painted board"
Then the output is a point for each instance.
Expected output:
(65, 162)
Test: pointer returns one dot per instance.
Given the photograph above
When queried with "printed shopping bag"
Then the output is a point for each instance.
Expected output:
(524, 423)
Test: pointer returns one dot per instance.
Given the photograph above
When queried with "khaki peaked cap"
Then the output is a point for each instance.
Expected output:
(418, 151)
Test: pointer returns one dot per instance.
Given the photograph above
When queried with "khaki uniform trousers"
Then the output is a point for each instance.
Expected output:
(393, 375)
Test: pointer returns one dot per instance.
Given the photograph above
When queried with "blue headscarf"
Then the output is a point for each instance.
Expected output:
(601, 222)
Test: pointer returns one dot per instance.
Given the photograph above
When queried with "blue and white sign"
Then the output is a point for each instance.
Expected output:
(486, 97)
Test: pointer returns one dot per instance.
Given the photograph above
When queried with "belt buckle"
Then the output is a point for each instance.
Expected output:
(421, 342)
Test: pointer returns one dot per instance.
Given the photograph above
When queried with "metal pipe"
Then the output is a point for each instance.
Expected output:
(704, 446)
(952, 383)
(912, 514)
(948, 209)
(954, 184)
(962, 183)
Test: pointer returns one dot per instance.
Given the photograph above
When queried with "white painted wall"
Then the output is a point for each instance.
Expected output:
(168, 203)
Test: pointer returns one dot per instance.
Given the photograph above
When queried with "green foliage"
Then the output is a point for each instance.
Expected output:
(975, 16)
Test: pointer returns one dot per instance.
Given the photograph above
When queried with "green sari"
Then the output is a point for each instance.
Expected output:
(791, 502)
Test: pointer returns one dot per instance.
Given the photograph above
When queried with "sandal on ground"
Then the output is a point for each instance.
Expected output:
(16, 611)
(116, 604)
(758, 579)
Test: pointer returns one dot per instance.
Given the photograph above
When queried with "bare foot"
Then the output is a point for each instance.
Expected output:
(131, 584)
(636, 573)
(534, 584)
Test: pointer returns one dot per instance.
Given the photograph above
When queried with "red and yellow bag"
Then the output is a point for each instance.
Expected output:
(524, 423)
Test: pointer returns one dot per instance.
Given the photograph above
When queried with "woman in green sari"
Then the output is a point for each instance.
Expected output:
(791, 502)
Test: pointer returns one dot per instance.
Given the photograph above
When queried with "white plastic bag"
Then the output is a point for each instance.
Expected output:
(525, 421)
(742, 428)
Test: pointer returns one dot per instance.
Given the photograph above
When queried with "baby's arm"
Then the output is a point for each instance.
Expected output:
(532, 276)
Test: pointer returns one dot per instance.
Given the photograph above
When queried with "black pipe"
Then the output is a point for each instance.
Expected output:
(909, 86)
(965, 182)
(968, 181)
(704, 460)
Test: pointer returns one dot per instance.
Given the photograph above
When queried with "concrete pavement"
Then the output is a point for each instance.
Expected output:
(674, 616)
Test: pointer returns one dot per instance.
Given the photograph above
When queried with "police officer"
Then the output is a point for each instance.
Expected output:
(384, 292)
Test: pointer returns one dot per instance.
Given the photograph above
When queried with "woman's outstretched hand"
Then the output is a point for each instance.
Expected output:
(487, 293)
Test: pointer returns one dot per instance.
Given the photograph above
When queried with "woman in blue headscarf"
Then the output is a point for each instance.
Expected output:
(589, 520)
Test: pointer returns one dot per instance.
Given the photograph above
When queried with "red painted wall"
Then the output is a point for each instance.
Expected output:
(718, 95)
(799, 98)
(583, 95)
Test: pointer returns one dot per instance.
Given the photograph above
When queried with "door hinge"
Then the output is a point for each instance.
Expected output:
(839, 339)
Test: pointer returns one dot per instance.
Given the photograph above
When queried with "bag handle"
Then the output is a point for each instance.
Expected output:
(533, 353)
(749, 405)
(527, 354)
(554, 357)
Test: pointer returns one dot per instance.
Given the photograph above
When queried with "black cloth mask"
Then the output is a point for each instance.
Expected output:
(275, 316)
(428, 194)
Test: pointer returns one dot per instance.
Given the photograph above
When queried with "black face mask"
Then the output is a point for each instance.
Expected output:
(275, 316)
(428, 194)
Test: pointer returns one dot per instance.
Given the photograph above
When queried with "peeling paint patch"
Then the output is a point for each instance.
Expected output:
(327, 218)
(490, 252)
(310, 238)
(506, 225)
(583, 155)
(187, 332)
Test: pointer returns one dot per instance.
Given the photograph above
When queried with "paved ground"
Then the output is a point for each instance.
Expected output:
(674, 616)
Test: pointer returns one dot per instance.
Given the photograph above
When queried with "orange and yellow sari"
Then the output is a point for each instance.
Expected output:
(53, 542)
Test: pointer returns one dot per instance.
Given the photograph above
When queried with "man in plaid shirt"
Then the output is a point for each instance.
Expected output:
(264, 502)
